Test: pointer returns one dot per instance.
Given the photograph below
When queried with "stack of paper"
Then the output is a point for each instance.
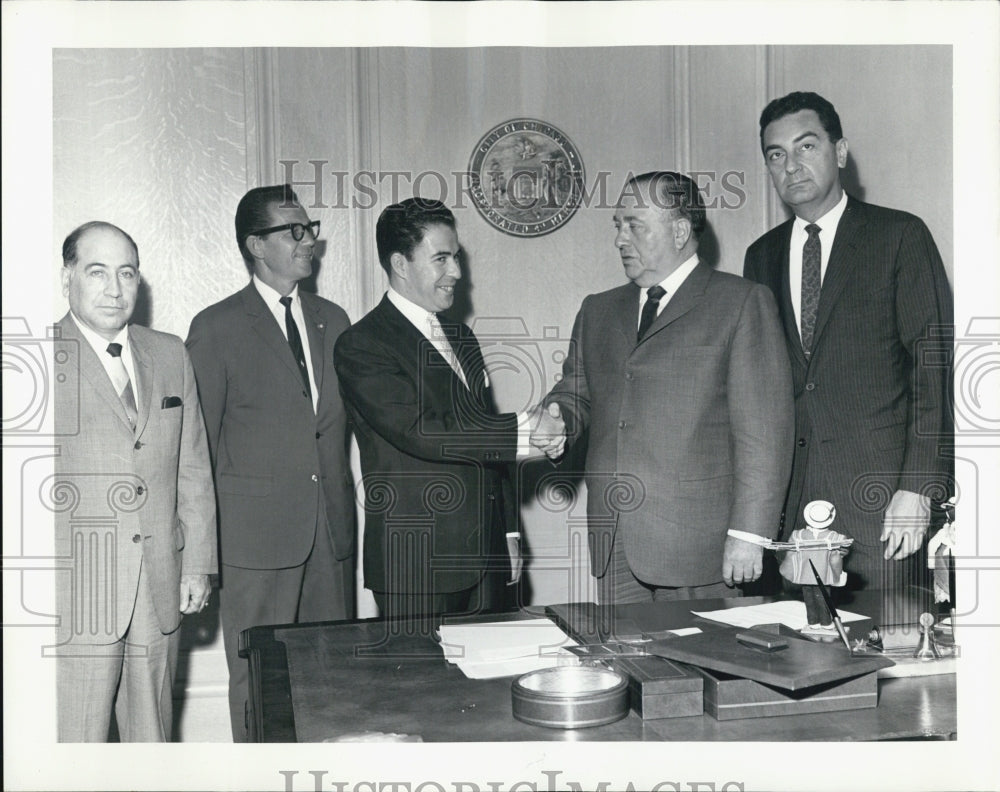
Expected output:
(496, 649)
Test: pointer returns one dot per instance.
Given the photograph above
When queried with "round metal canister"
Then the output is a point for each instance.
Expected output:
(570, 697)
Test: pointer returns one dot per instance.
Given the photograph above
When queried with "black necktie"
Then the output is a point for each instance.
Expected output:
(122, 383)
(295, 342)
(653, 297)
(811, 258)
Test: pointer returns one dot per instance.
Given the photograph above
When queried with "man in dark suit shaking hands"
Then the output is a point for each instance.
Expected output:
(680, 380)
(277, 432)
(433, 450)
(864, 301)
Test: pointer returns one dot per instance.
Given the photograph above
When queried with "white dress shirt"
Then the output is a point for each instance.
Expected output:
(827, 231)
(670, 285)
(100, 346)
(273, 301)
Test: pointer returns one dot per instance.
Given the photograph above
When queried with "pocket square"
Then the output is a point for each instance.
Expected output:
(171, 401)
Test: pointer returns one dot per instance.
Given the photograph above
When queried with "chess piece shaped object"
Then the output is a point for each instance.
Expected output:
(927, 649)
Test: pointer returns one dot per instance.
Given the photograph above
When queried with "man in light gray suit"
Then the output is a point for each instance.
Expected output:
(680, 379)
(135, 512)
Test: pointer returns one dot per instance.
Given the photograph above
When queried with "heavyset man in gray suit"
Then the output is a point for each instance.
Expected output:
(681, 380)
(135, 512)
(277, 433)
(869, 335)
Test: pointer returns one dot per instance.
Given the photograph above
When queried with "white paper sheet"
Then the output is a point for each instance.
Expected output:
(791, 613)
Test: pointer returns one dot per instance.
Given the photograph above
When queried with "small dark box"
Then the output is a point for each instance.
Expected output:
(660, 688)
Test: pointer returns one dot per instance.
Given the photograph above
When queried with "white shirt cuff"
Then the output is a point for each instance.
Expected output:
(523, 435)
(746, 536)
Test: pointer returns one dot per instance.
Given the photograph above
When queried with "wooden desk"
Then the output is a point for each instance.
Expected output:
(316, 682)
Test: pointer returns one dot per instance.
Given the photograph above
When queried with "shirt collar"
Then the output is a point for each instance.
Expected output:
(829, 221)
(271, 296)
(673, 281)
(98, 342)
(416, 315)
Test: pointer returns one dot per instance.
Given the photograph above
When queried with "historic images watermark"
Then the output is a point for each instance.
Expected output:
(506, 197)
(317, 781)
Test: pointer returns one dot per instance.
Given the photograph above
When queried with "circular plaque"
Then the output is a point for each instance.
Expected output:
(526, 177)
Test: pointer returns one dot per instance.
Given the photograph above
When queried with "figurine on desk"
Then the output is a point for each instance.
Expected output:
(827, 558)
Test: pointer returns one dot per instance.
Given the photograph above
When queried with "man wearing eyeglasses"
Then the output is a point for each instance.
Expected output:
(263, 358)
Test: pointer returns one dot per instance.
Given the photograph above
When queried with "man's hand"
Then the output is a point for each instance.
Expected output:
(548, 430)
(742, 562)
(195, 590)
(516, 559)
(905, 524)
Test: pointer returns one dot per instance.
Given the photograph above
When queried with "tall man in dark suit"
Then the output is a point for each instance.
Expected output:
(277, 432)
(135, 512)
(433, 450)
(864, 301)
(680, 379)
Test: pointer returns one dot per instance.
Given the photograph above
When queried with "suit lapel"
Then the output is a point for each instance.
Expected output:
(92, 370)
(843, 262)
(626, 313)
(316, 331)
(264, 325)
(687, 297)
(144, 374)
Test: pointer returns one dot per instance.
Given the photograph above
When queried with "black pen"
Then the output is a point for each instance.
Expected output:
(833, 611)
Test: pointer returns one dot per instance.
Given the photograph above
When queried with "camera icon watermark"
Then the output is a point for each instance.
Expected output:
(33, 367)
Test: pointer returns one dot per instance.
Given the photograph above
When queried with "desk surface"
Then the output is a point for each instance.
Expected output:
(317, 682)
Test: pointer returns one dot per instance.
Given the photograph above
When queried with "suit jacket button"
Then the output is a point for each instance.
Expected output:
(305, 394)
(315, 477)
(802, 442)
(621, 424)
(140, 489)
(319, 435)
(811, 386)
(136, 539)
(628, 375)
(138, 445)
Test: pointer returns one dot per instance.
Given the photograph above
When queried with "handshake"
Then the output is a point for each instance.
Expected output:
(548, 430)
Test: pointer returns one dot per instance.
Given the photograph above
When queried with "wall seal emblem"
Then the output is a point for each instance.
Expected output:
(526, 177)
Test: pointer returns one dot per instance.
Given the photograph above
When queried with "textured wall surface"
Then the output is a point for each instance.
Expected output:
(155, 141)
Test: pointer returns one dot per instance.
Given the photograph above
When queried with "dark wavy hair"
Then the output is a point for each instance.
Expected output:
(401, 227)
(802, 100)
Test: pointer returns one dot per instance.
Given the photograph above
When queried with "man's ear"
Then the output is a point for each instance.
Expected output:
(254, 244)
(841, 148)
(66, 275)
(682, 232)
(397, 263)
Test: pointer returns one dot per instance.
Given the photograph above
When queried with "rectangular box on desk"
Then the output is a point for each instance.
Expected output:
(730, 697)
(660, 688)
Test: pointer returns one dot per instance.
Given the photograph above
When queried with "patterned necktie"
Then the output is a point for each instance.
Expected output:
(122, 383)
(649, 310)
(295, 342)
(811, 258)
(443, 345)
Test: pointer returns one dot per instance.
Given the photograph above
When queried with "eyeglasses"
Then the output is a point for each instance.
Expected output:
(298, 230)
